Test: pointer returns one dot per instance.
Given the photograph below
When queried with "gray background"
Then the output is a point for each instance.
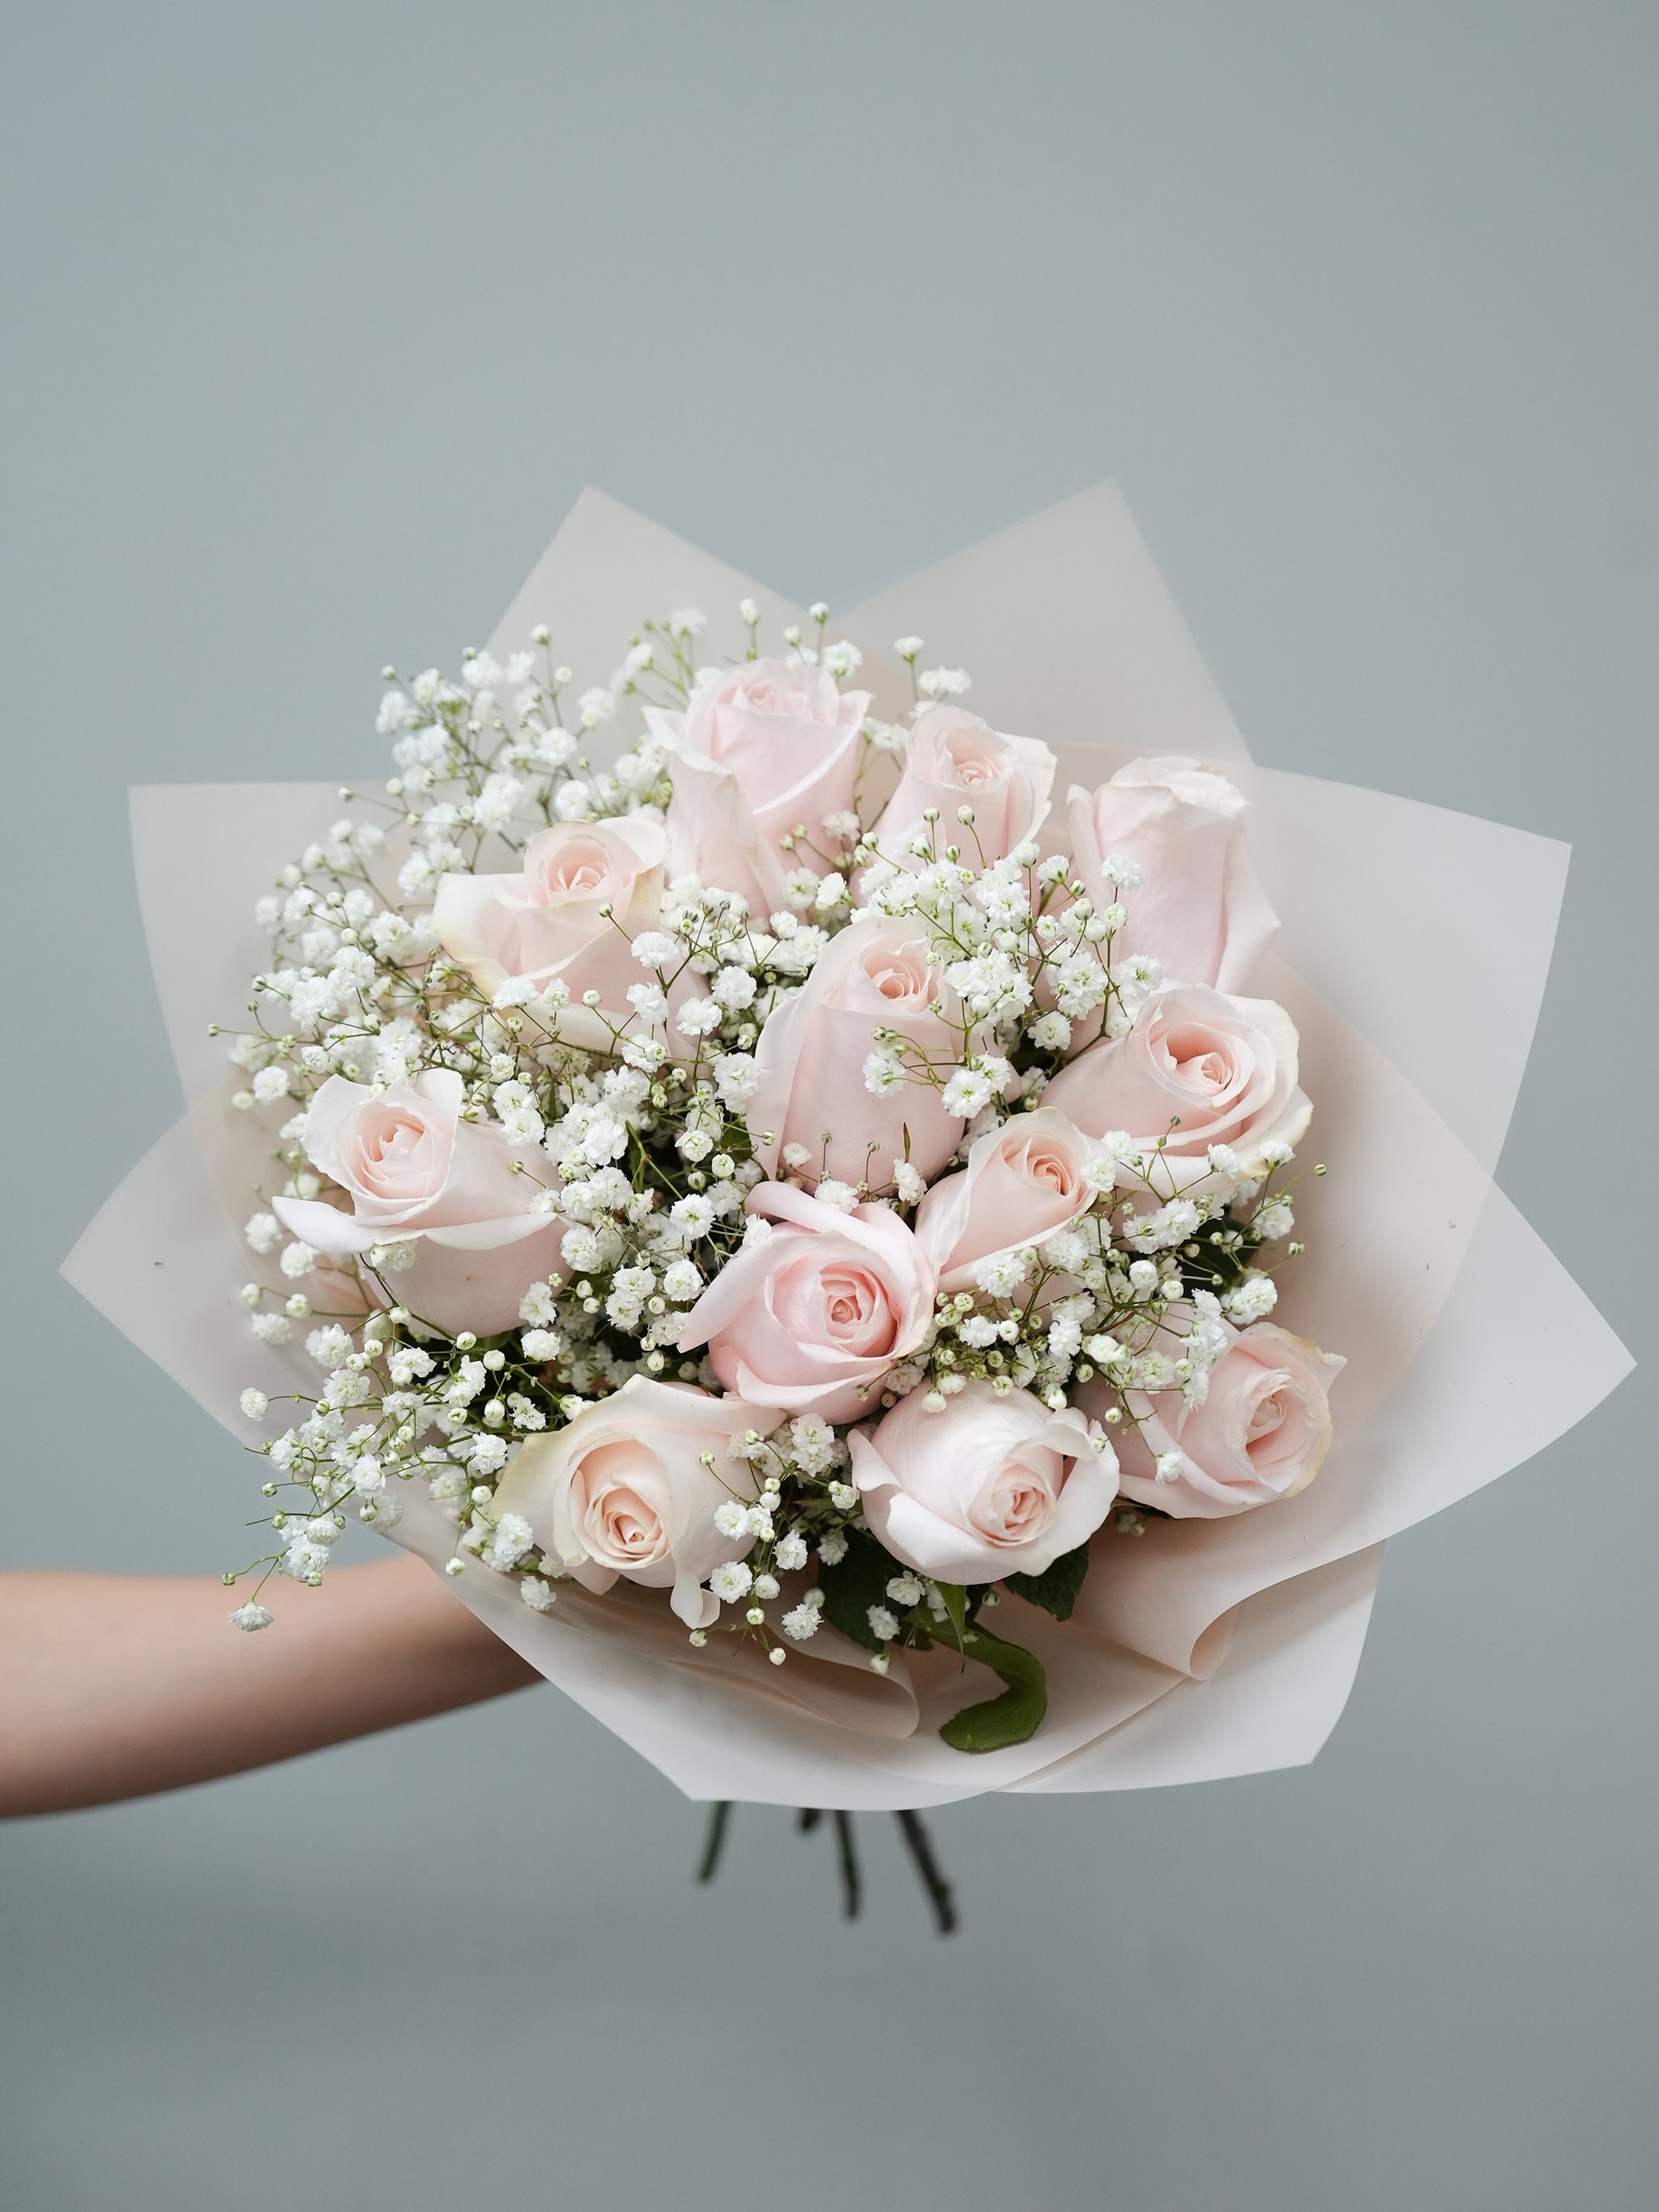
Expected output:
(318, 317)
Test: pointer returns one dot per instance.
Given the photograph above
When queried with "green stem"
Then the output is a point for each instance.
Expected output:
(711, 1850)
(849, 1864)
(940, 1894)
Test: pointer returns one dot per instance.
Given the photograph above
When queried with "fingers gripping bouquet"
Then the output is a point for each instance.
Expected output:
(746, 1189)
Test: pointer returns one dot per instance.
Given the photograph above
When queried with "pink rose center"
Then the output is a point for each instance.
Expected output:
(394, 1152)
(975, 763)
(899, 976)
(1270, 1412)
(1017, 1504)
(1050, 1171)
(840, 1302)
(1283, 1428)
(1197, 1059)
(576, 870)
(621, 1528)
(768, 698)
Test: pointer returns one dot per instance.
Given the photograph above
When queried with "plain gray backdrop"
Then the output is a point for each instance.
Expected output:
(317, 318)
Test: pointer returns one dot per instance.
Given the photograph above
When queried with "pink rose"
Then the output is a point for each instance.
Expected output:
(1197, 1069)
(623, 1490)
(1201, 911)
(812, 1318)
(1022, 1183)
(956, 760)
(545, 923)
(810, 1059)
(415, 1171)
(760, 751)
(994, 1485)
(1259, 1433)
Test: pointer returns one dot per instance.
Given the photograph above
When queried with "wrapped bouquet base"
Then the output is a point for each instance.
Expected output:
(1202, 1641)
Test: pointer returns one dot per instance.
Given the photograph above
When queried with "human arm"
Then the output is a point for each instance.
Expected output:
(117, 1686)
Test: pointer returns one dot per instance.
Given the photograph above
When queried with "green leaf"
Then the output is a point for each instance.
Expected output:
(955, 1604)
(1056, 1591)
(1226, 1250)
(1014, 1716)
(859, 1582)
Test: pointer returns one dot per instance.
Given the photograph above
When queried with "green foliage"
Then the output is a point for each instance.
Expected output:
(955, 1604)
(856, 1583)
(1014, 1716)
(1056, 1591)
(1227, 1250)
(859, 1580)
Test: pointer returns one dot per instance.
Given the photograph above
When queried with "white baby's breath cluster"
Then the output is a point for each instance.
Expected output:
(630, 1131)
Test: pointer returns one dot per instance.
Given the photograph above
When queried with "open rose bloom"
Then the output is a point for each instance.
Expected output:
(586, 891)
(420, 1176)
(770, 1330)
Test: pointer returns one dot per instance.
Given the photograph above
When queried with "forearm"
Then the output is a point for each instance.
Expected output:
(115, 1685)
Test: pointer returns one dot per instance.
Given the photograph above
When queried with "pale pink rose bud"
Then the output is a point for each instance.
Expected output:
(1200, 909)
(416, 1172)
(1260, 1434)
(759, 750)
(810, 1058)
(546, 925)
(811, 1319)
(956, 760)
(622, 1491)
(1022, 1182)
(1197, 1069)
(988, 1485)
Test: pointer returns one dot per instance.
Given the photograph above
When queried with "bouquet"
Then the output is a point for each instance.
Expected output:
(825, 1217)
(795, 1192)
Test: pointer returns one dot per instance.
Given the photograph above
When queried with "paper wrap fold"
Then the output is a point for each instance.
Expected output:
(1412, 957)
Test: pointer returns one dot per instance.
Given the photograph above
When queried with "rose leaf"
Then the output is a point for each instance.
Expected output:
(1014, 1716)
(1056, 1591)
(858, 1581)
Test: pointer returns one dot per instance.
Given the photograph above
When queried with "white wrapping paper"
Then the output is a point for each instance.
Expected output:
(1200, 1649)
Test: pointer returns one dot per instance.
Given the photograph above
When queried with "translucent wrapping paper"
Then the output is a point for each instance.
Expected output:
(1201, 1648)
